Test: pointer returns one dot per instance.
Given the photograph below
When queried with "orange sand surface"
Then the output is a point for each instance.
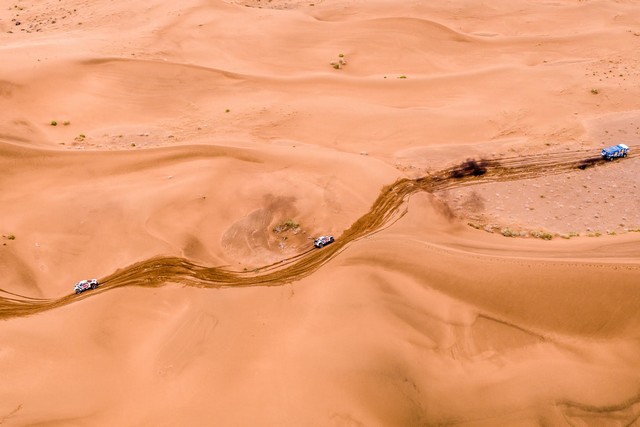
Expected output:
(186, 153)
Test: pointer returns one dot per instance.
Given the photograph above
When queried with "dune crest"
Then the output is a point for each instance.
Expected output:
(486, 260)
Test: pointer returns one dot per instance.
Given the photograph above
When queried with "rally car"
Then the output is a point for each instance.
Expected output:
(323, 241)
(610, 153)
(85, 285)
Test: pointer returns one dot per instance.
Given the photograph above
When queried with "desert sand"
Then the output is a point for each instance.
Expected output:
(186, 153)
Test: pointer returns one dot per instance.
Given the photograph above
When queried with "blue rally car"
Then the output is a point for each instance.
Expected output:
(610, 153)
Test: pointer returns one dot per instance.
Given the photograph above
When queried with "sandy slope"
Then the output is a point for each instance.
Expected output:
(194, 128)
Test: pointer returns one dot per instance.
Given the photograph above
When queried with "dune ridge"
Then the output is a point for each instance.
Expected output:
(486, 263)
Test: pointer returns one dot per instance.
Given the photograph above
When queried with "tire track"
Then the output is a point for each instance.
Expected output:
(158, 271)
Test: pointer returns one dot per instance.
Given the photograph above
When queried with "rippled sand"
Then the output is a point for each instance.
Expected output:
(187, 134)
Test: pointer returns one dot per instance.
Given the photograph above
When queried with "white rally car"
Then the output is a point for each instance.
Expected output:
(85, 285)
(323, 241)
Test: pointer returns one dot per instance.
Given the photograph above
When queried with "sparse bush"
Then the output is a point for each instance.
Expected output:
(11, 237)
(542, 235)
(507, 232)
(595, 91)
(54, 123)
(569, 235)
(66, 123)
(402, 77)
(285, 226)
(341, 62)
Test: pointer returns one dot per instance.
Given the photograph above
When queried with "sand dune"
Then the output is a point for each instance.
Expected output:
(187, 153)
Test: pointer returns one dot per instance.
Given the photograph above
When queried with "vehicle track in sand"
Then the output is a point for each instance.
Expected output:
(158, 271)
